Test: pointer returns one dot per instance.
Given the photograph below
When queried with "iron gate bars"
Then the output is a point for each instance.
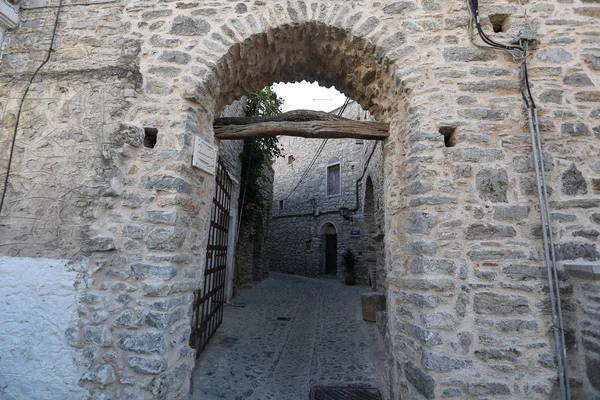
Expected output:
(209, 300)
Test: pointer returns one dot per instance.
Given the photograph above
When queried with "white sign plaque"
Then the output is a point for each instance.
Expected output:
(205, 156)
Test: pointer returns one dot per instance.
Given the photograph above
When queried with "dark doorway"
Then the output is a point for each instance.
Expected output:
(331, 254)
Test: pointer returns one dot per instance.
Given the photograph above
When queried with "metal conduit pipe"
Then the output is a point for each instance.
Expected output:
(536, 146)
(552, 255)
(549, 254)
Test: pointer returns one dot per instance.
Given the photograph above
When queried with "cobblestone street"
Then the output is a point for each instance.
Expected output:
(255, 355)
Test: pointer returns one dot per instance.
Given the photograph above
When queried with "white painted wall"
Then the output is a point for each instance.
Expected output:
(37, 305)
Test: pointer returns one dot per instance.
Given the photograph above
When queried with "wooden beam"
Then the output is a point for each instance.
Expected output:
(290, 116)
(301, 123)
(313, 129)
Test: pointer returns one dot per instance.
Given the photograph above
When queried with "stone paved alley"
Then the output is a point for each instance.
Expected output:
(325, 342)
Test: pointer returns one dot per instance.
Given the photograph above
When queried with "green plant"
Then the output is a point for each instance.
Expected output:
(258, 154)
(349, 261)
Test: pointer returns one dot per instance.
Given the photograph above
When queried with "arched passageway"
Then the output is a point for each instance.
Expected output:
(128, 223)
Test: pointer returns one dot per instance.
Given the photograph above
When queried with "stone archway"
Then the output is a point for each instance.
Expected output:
(129, 222)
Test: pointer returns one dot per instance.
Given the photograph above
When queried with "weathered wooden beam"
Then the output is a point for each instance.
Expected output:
(302, 123)
(290, 116)
(312, 129)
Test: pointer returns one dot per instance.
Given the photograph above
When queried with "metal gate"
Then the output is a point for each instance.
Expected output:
(209, 300)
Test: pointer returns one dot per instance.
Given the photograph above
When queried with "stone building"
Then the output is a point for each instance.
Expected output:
(88, 254)
(318, 211)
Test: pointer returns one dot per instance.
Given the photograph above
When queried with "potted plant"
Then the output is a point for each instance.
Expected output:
(348, 263)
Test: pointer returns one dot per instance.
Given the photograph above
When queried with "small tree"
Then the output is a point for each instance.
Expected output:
(258, 153)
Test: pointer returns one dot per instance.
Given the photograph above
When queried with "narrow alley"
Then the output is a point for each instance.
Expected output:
(286, 335)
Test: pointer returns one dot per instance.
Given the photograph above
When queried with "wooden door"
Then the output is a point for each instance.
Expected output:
(331, 254)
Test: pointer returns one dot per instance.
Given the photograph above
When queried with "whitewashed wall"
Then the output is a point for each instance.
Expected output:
(37, 306)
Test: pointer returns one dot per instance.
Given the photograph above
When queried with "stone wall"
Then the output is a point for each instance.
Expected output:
(467, 297)
(296, 241)
(252, 254)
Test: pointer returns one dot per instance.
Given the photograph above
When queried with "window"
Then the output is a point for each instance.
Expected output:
(334, 181)
(281, 204)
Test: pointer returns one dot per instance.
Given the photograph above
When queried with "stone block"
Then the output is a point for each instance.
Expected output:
(100, 244)
(186, 26)
(465, 54)
(492, 184)
(425, 384)
(169, 239)
(434, 361)
(592, 366)
(168, 382)
(371, 303)
(419, 284)
(420, 222)
(484, 231)
(488, 389)
(574, 251)
(437, 320)
(148, 271)
(555, 55)
(144, 365)
(425, 337)
(167, 184)
(142, 342)
(134, 231)
(160, 320)
(98, 335)
(424, 300)
(517, 325)
(511, 213)
(500, 304)
(510, 354)
(422, 248)
(103, 374)
(421, 266)
(399, 7)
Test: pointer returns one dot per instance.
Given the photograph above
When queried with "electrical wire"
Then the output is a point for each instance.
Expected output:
(318, 153)
(14, 138)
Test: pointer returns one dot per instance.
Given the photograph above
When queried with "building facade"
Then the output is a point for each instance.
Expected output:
(104, 238)
(319, 205)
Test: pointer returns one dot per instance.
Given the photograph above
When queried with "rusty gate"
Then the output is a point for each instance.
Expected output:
(209, 300)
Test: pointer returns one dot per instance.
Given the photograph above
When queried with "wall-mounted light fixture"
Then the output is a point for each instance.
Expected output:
(346, 213)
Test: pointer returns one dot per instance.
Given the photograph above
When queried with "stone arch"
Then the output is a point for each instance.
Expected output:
(328, 227)
(344, 54)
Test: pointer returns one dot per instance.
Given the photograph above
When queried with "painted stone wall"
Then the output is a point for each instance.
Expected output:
(467, 297)
(34, 343)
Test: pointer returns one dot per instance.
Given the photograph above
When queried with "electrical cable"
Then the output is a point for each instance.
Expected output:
(14, 138)
(318, 153)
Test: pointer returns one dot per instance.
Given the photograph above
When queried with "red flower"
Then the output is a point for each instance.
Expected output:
(249, 206)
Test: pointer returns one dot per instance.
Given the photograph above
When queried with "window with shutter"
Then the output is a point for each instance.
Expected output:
(334, 186)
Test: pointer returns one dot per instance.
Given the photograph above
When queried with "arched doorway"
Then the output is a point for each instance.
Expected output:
(369, 219)
(374, 238)
(329, 248)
